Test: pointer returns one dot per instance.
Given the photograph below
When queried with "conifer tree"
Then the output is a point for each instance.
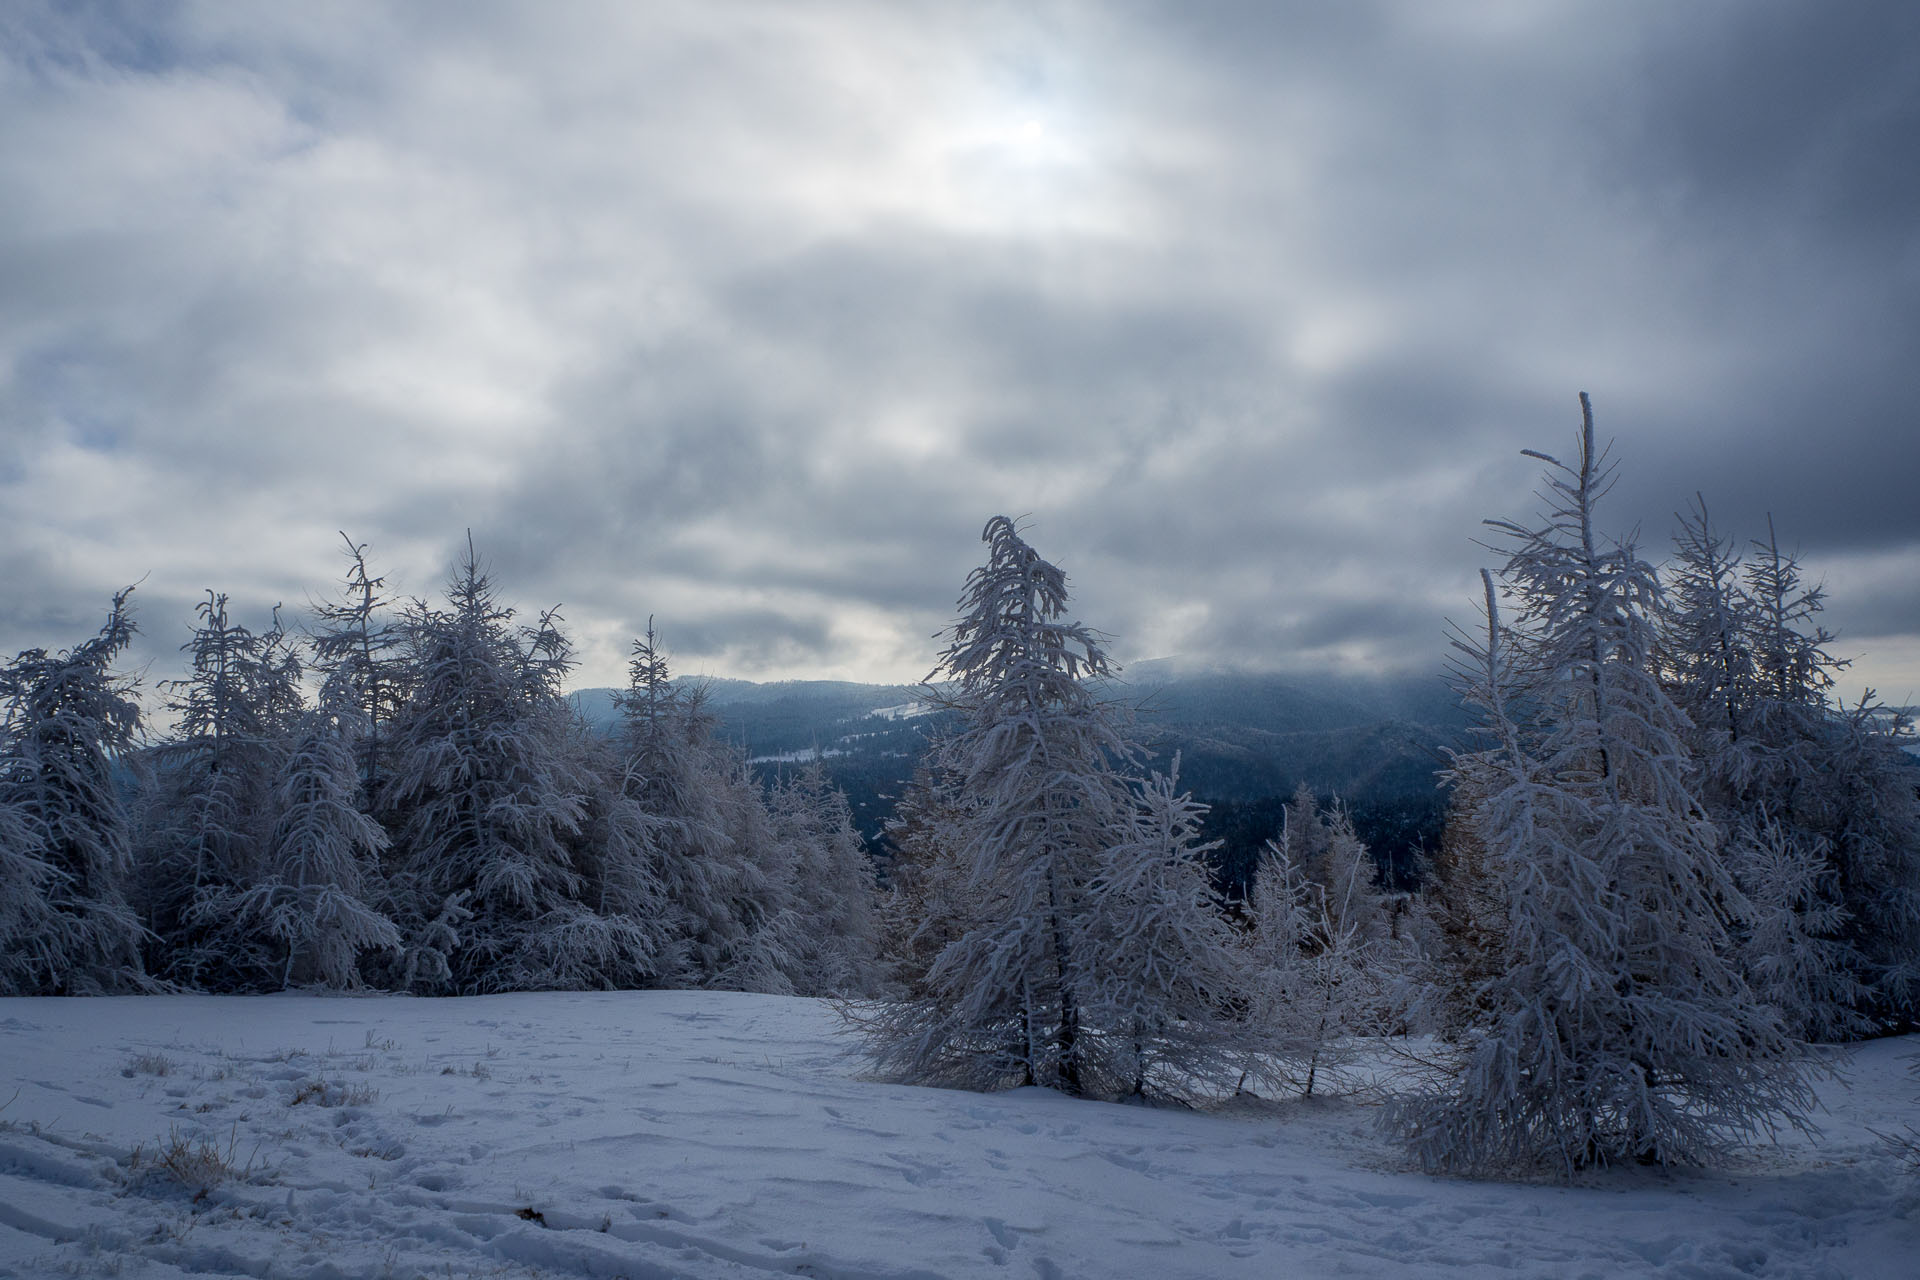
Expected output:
(1620, 1029)
(1007, 997)
(65, 837)
(1169, 974)
(617, 853)
(1706, 626)
(486, 801)
(1039, 985)
(1818, 845)
(28, 925)
(1329, 966)
(355, 642)
(209, 812)
(314, 898)
(834, 891)
(924, 907)
(716, 894)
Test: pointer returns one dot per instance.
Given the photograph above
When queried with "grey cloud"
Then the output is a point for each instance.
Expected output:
(1805, 115)
(736, 314)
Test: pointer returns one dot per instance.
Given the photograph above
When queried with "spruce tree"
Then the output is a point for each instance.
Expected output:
(314, 900)
(1052, 974)
(208, 813)
(355, 642)
(834, 891)
(65, 836)
(718, 900)
(485, 802)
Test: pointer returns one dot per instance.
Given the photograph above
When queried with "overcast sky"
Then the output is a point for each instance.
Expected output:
(748, 315)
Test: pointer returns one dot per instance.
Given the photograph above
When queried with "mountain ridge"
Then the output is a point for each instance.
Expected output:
(1244, 742)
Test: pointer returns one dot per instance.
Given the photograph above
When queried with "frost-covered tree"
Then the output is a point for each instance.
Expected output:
(323, 855)
(1872, 817)
(27, 920)
(1335, 859)
(1007, 998)
(486, 802)
(766, 896)
(618, 860)
(1169, 974)
(1050, 828)
(1789, 940)
(834, 891)
(1791, 778)
(356, 643)
(1329, 963)
(1836, 777)
(925, 906)
(1706, 625)
(65, 836)
(1312, 985)
(208, 813)
(1620, 1028)
(1750, 734)
(722, 882)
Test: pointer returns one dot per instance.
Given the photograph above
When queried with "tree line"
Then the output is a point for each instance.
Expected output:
(435, 818)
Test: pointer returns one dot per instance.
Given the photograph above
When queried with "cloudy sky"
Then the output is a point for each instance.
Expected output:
(748, 315)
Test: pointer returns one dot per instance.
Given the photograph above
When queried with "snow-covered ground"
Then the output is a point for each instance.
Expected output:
(653, 1134)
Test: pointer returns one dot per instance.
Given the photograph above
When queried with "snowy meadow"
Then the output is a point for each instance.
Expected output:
(664, 1133)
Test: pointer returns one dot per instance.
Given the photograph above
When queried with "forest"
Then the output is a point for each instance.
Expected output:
(1672, 860)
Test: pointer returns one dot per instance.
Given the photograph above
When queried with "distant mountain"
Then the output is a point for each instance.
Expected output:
(1245, 741)
(792, 716)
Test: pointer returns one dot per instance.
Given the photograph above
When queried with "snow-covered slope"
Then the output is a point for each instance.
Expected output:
(655, 1134)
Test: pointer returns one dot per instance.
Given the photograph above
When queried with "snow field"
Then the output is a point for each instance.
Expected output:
(665, 1134)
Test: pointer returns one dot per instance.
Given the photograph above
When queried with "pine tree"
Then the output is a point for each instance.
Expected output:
(65, 836)
(1620, 1029)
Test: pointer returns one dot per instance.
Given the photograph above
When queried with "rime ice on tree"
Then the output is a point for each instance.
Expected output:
(1071, 893)
(1618, 1028)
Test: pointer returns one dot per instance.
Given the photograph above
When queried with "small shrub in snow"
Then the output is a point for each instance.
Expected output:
(333, 1093)
(197, 1167)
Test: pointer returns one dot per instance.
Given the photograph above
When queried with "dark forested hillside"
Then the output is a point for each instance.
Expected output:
(1245, 742)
